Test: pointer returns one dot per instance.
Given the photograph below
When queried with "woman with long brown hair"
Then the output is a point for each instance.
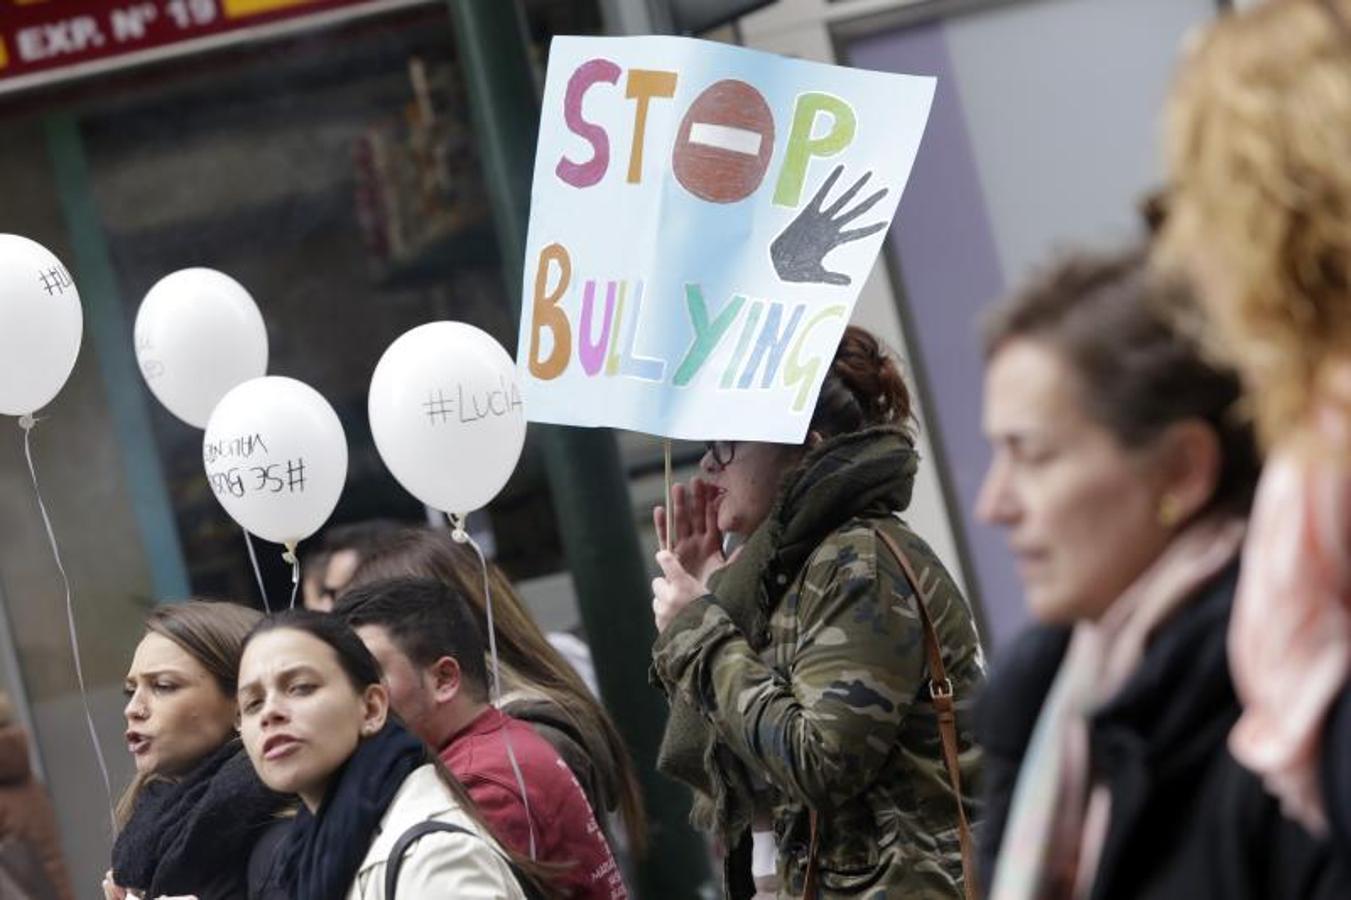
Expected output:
(538, 685)
(190, 819)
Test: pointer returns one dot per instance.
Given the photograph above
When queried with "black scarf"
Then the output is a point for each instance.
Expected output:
(324, 850)
(194, 835)
(866, 474)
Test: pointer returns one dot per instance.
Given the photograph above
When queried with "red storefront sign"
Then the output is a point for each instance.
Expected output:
(47, 40)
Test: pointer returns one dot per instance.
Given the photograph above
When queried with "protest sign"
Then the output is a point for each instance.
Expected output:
(702, 221)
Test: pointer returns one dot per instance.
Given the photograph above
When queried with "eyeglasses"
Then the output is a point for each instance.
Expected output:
(723, 452)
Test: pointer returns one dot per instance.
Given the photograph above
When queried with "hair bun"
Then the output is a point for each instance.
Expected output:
(864, 388)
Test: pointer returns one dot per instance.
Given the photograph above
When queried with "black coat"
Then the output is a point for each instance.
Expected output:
(194, 835)
(1337, 772)
(1187, 821)
(262, 873)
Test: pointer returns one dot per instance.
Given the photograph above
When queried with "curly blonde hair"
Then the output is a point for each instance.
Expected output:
(1259, 152)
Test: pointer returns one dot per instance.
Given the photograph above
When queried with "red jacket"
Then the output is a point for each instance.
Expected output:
(565, 828)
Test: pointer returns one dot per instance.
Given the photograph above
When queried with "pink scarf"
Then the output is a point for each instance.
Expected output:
(1290, 637)
(1058, 818)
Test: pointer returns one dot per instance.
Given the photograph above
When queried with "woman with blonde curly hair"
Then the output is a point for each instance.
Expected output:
(1259, 145)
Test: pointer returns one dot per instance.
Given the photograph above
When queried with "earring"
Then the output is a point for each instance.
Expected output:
(1170, 511)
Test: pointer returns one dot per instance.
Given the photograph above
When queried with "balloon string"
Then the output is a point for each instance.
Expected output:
(294, 559)
(462, 536)
(27, 423)
(257, 573)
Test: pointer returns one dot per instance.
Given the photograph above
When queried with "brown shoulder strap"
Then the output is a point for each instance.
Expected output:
(809, 887)
(940, 689)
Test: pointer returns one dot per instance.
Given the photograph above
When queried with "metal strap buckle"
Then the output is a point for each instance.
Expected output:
(936, 690)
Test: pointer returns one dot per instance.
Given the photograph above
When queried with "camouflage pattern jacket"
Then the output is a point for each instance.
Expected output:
(827, 706)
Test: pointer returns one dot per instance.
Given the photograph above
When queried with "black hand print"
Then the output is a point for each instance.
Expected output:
(799, 253)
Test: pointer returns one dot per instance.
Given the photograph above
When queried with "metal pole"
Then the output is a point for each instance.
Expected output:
(111, 334)
(586, 473)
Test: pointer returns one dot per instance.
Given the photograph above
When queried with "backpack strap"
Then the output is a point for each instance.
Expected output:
(419, 830)
(940, 690)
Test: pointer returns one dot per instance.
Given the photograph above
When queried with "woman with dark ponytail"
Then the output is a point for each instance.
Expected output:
(815, 673)
(380, 816)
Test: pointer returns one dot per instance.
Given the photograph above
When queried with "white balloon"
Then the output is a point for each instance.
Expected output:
(276, 457)
(446, 414)
(198, 334)
(40, 325)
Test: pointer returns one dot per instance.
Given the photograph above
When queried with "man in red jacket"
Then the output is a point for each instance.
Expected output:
(432, 653)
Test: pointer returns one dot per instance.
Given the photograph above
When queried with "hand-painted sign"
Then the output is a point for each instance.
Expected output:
(47, 40)
(703, 219)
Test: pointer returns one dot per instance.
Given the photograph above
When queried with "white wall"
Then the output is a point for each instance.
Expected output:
(1063, 103)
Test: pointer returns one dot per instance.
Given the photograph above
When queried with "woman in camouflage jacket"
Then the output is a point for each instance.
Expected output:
(796, 669)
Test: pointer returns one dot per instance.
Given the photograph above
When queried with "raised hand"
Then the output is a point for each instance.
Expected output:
(698, 542)
(799, 252)
(674, 590)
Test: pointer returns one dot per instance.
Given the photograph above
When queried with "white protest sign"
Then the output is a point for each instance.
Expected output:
(703, 219)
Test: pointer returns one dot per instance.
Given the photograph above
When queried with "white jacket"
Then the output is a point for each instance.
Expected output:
(440, 864)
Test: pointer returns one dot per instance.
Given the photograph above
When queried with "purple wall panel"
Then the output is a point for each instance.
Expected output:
(945, 252)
